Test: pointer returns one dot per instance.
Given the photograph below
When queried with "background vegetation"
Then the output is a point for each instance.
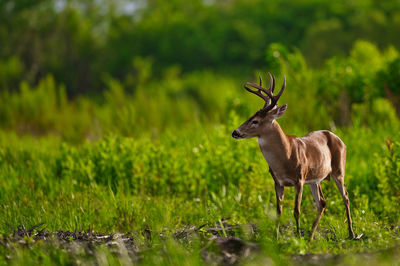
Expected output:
(117, 116)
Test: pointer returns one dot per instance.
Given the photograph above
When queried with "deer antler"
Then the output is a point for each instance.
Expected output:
(267, 94)
(261, 89)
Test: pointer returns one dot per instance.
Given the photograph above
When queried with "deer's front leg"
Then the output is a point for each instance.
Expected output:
(279, 192)
(297, 203)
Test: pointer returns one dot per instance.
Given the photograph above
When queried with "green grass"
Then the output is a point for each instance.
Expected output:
(197, 177)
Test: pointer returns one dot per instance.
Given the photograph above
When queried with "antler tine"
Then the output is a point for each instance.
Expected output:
(258, 93)
(267, 102)
(274, 99)
(268, 92)
(273, 87)
(282, 89)
(271, 82)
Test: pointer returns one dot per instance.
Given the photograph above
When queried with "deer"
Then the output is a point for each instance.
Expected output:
(296, 161)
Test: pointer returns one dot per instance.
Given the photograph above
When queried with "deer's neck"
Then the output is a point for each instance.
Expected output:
(274, 143)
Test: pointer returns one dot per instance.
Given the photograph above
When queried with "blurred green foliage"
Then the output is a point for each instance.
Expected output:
(387, 171)
(82, 70)
(359, 90)
(82, 42)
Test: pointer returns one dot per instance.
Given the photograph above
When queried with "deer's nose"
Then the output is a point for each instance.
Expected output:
(235, 134)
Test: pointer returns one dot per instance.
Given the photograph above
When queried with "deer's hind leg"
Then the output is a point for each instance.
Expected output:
(320, 202)
(338, 152)
(339, 180)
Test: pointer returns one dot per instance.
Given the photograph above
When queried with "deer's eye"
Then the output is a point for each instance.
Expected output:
(255, 122)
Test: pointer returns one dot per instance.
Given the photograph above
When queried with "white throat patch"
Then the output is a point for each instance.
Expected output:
(261, 141)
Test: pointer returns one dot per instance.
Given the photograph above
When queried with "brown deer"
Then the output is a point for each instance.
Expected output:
(295, 161)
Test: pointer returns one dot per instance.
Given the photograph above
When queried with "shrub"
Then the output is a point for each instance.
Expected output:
(387, 172)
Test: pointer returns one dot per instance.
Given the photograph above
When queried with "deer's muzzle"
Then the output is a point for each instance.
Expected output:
(236, 134)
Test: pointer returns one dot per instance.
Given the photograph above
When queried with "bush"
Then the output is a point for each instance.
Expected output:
(387, 172)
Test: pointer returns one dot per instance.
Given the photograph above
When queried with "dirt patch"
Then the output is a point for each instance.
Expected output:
(220, 244)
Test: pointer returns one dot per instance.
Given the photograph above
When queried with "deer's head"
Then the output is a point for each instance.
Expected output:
(263, 118)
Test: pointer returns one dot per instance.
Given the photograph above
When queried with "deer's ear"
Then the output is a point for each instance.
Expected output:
(278, 112)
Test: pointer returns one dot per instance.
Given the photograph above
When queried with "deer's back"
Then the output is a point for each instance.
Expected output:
(322, 153)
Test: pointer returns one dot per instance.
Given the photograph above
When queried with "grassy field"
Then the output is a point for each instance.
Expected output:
(180, 196)
(116, 120)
